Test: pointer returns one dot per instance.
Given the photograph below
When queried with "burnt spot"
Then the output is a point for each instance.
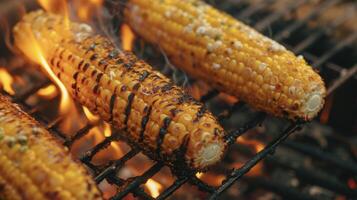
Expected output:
(200, 113)
(143, 76)
(111, 105)
(61, 53)
(92, 47)
(96, 89)
(52, 61)
(136, 86)
(128, 107)
(113, 54)
(99, 77)
(123, 88)
(75, 75)
(102, 62)
(144, 121)
(119, 61)
(94, 57)
(167, 87)
(80, 64)
(162, 133)
(128, 65)
(94, 73)
(184, 98)
(69, 57)
(175, 111)
(86, 66)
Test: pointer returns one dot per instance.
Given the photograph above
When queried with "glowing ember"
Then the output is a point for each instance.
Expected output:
(48, 92)
(352, 183)
(127, 37)
(6, 81)
(153, 187)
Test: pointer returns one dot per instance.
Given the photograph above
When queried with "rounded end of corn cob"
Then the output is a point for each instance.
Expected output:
(314, 102)
(210, 154)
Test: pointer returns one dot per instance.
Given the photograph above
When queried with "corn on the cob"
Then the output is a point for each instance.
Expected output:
(126, 92)
(33, 165)
(229, 55)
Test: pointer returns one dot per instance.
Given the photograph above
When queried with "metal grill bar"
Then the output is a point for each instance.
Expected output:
(269, 149)
(291, 28)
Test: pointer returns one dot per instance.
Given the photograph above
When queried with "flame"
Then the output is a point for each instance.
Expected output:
(199, 174)
(48, 92)
(6, 81)
(258, 146)
(56, 6)
(92, 118)
(257, 170)
(127, 37)
(85, 8)
(153, 187)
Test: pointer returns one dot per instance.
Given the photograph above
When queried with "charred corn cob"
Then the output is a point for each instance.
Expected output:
(229, 55)
(33, 165)
(126, 92)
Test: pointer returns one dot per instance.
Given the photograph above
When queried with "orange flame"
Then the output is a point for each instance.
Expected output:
(48, 92)
(56, 6)
(6, 81)
(85, 8)
(153, 187)
(92, 118)
(127, 37)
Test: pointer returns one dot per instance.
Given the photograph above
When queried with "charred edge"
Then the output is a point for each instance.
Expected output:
(61, 53)
(180, 158)
(144, 121)
(167, 87)
(96, 89)
(74, 86)
(184, 98)
(86, 66)
(128, 107)
(80, 64)
(200, 113)
(144, 75)
(161, 136)
(94, 73)
(99, 77)
(93, 57)
(112, 103)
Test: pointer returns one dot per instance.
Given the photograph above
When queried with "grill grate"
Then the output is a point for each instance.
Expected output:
(133, 185)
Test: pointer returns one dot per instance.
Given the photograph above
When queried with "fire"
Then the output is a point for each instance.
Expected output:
(48, 92)
(127, 37)
(153, 187)
(352, 183)
(6, 81)
(90, 116)
(85, 8)
(258, 146)
(56, 6)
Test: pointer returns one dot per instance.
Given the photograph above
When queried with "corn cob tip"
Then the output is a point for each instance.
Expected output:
(314, 102)
(208, 154)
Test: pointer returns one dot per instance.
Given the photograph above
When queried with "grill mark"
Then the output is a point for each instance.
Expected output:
(128, 108)
(144, 75)
(162, 133)
(144, 121)
(61, 53)
(200, 113)
(74, 85)
(80, 64)
(99, 77)
(167, 87)
(96, 89)
(94, 57)
(112, 103)
(86, 66)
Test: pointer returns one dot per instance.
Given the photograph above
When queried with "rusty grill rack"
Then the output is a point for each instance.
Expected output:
(133, 185)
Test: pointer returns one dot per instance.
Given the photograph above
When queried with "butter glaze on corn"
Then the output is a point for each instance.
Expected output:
(229, 55)
(33, 165)
(126, 92)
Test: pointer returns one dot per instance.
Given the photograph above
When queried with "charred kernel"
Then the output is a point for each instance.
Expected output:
(131, 96)
(94, 57)
(229, 55)
(86, 66)
(80, 64)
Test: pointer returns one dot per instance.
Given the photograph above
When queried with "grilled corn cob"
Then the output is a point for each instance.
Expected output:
(229, 55)
(126, 92)
(33, 165)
